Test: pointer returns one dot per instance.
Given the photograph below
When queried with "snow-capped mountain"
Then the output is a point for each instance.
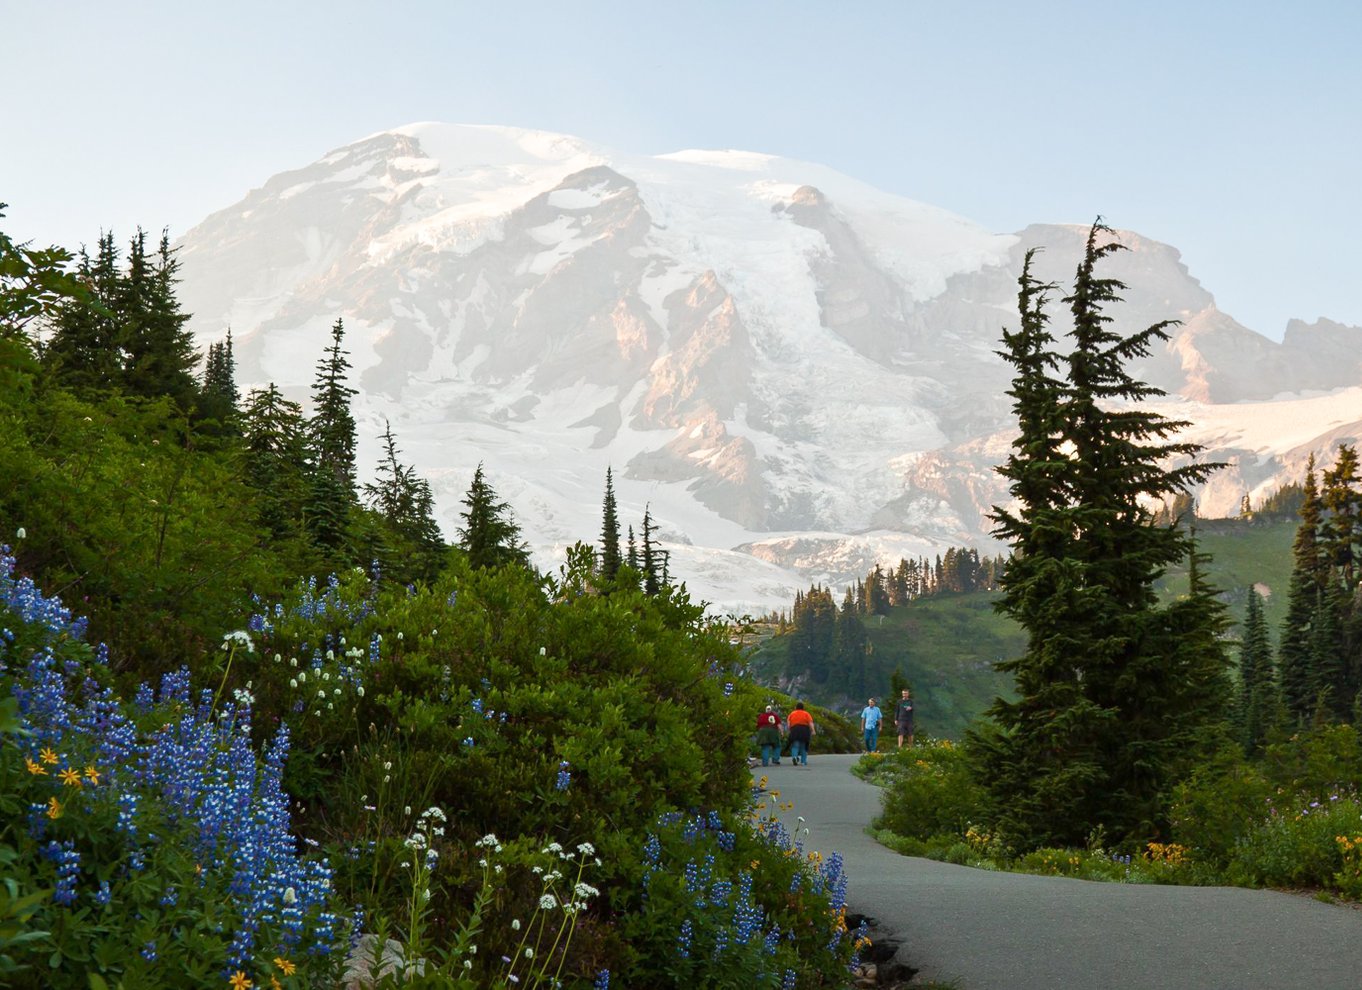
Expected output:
(793, 369)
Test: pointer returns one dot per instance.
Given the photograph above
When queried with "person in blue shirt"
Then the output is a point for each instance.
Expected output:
(871, 717)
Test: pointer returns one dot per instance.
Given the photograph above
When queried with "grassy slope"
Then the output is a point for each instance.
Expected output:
(946, 645)
(1242, 555)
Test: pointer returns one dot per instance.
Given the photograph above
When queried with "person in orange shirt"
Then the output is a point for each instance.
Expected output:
(801, 734)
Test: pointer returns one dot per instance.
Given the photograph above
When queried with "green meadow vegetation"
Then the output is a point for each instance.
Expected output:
(264, 726)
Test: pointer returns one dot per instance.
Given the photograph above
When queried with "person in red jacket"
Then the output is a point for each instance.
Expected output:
(768, 736)
(801, 734)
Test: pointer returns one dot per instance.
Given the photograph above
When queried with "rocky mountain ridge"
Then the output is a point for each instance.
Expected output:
(795, 371)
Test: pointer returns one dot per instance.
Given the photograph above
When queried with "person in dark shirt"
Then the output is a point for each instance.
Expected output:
(903, 718)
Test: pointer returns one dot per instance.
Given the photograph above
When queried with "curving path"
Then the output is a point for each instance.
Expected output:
(1007, 931)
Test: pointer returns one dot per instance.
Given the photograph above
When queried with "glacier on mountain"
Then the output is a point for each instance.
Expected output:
(793, 370)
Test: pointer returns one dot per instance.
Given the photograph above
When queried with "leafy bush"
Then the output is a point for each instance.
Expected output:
(1214, 809)
(1278, 821)
(163, 837)
(540, 711)
(1295, 847)
(727, 902)
(930, 791)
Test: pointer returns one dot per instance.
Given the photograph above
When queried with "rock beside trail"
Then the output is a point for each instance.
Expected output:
(366, 964)
(880, 963)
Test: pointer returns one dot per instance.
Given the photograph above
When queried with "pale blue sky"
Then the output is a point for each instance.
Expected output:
(1230, 130)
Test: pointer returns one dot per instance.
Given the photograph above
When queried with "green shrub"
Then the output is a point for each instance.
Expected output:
(727, 902)
(1214, 809)
(1297, 846)
(931, 791)
(538, 711)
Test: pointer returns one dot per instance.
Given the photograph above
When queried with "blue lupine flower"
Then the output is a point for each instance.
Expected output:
(199, 771)
(602, 980)
(64, 855)
(564, 777)
(683, 939)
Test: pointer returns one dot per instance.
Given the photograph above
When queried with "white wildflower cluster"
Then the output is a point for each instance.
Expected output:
(239, 637)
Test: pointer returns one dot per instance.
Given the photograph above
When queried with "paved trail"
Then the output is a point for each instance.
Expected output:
(1007, 931)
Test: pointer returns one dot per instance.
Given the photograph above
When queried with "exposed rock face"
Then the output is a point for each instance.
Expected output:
(789, 367)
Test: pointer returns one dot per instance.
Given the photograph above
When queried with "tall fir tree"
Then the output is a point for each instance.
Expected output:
(610, 531)
(813, 643)
(1091, 738)
(849, 660)
(1257, 679)
(219, 398)
(632, 557)
(1341, 500)
(1305, 593)
(651, 556)
(84, 351)
(274, 435)
(413, 547)
(331, 448)
(489, 534)
(159, 355)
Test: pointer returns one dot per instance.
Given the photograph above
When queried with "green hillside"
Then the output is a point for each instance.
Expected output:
(1244, 554)
(946, 645)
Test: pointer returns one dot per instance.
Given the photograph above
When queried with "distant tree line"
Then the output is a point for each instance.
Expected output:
(1316, 675)
(828, 641)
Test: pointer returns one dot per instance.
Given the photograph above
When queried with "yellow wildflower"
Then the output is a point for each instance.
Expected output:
(34, 768)
(284, 965)
(70, 777)
(53, 808)
(91, 774)
(239, 981)
(47, 756)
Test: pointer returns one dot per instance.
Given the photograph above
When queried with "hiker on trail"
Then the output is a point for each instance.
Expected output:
(768, 736)
(903, 718)
(871, 717)
(801, 734)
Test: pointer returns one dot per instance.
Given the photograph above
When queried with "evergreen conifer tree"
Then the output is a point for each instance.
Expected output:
(84, 350)
(1110, 701)
(632, 558)
(651, 563)
(159, 356)
(220, 401)
(1341, 499)
(274, 435)
(610, 531)
(1257, 682)
(406, 505)
(489, 534)
(849, 660)
(331, 446)
(1296, 655)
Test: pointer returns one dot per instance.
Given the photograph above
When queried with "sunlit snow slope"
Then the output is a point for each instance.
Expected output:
(794, 370)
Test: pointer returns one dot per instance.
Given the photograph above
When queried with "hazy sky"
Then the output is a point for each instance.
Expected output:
(1232, 130)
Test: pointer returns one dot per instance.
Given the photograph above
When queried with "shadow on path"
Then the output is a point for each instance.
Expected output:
(1008, 931)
